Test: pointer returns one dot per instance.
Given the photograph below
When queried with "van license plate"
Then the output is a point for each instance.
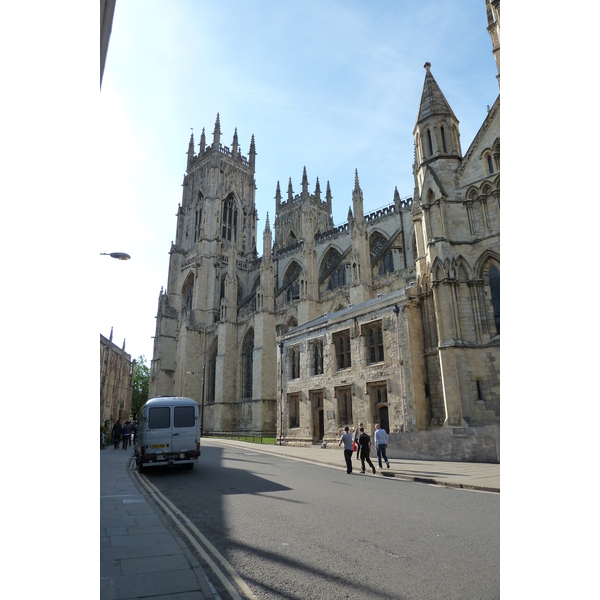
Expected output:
(158, 446)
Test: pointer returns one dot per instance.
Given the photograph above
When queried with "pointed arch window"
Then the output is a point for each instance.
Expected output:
(387, 264)
(490, 164)
(211, 372)
(443, 140)
(494, 278)
(229, 219)
(197, 224)
(248, 365)
(430, 145)
(190, 296)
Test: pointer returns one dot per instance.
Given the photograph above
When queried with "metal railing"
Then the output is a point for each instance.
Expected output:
(256, 439)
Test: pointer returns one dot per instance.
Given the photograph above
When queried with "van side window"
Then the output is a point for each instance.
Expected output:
(184, 416)
(159, 417)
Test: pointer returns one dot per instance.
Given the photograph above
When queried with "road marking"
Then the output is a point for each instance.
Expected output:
(189, 527)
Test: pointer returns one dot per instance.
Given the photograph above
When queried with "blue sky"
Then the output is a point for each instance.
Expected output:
(333, 86)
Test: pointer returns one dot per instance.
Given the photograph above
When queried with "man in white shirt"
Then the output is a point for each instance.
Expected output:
(381, 441)
(346, 439)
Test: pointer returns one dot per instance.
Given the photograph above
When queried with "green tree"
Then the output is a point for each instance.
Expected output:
(141, 383)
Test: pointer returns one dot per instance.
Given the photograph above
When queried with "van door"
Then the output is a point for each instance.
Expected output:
(158, 430)
(185, 419)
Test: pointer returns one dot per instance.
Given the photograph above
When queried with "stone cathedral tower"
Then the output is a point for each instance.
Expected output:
(209, 342)
(392, 317)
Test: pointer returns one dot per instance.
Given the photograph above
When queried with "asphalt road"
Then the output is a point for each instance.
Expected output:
(299, 531)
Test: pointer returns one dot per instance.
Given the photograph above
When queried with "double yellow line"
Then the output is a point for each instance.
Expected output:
(193, 535)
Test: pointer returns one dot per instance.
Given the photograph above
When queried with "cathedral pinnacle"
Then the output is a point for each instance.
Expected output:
(217, 132)
(304, 182)
(278, 195)
(317, 190)
(356, 183)
(427, 66)
(267, 225)
(290, 192)
(202, 141)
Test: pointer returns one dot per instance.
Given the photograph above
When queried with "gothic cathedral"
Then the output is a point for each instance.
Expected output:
(391, 318)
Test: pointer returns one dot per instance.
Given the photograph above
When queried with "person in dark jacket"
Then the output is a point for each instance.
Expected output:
(365, 450)
(126, 435)
(116, 433)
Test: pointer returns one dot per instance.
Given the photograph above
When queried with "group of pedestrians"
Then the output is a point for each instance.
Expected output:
(125, 433)
(361, 442)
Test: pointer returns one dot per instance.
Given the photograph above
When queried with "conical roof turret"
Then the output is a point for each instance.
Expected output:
(433, 102)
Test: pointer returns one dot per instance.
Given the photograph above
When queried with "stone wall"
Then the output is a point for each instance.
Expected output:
(459, 444)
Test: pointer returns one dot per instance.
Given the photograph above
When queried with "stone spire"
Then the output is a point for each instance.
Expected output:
(328, 197)
(433, 102)
(318, 191)
(278, 196)
(290, 192)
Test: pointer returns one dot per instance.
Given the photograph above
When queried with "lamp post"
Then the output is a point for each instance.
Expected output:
(117, 255)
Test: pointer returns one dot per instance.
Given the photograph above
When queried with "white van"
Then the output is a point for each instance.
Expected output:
(168, 433)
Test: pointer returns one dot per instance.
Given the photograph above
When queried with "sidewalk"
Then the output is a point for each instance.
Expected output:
(140, 553)
(473, 476)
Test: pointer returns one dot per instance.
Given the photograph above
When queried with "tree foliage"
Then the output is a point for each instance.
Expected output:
(141, 384)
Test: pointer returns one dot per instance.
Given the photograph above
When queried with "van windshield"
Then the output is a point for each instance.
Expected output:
(159, 417)
(184, 416)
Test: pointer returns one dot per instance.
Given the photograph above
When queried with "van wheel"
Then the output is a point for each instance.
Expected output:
(189, 466)
(140, 465)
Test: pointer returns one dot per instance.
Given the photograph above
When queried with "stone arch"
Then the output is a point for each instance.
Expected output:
(331, 258)
(462, 269)
(187, 292)
(485, 262)
(438, 270)
(472, 193)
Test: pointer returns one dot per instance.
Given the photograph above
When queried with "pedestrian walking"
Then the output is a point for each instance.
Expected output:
(126, 435)
(346, 439)
(116, 433)
(381, 440)
(357, 440)
(365, 450)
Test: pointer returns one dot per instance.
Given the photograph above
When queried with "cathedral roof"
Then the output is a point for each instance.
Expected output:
(433, 101)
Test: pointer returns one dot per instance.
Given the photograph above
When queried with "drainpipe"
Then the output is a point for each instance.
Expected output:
(281, 393)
